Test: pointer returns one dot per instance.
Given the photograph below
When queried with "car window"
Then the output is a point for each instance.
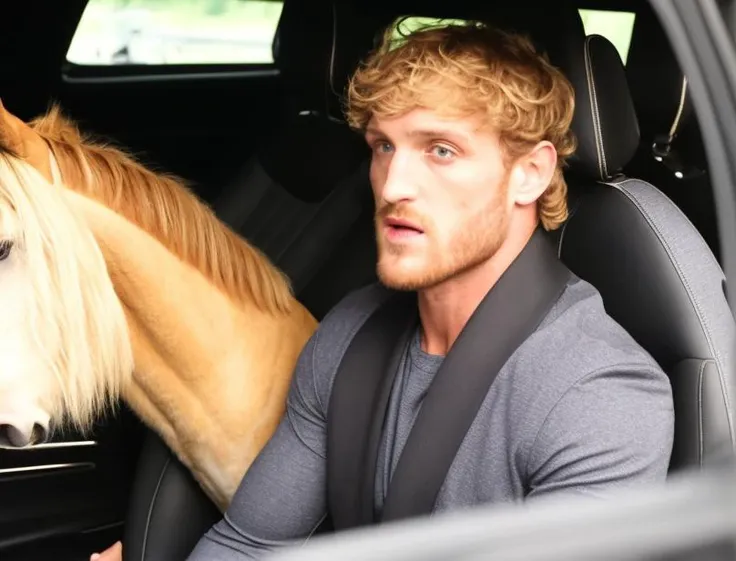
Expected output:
(404, 26)
(163, 32)
(616, 26)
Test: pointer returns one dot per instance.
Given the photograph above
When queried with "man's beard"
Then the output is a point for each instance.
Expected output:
(473, 243)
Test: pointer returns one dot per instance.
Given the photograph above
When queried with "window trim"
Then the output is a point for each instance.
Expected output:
(130, 73)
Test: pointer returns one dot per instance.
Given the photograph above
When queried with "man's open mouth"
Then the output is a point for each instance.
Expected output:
(401, 227)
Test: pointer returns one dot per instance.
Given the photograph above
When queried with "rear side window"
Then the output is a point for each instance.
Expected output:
(165, 32)
(406, 25)
(211, 32)
(615, 26)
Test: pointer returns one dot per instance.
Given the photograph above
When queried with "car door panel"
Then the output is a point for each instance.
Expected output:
(70, 485)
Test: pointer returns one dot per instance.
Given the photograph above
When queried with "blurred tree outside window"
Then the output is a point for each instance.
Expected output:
(160, 32)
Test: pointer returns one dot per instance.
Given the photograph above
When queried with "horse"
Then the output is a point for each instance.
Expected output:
(212, 325)
(63, 325)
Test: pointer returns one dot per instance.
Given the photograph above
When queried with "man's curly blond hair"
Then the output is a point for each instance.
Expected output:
(466, 69)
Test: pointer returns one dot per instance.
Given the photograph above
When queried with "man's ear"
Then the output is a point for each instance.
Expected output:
(532, 173)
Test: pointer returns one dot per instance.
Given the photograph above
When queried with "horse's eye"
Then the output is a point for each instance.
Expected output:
(5, 247)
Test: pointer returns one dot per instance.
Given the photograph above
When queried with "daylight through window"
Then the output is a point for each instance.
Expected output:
(175, 32)
(160, 32)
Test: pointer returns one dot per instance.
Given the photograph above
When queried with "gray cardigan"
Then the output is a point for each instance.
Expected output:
(579, 409)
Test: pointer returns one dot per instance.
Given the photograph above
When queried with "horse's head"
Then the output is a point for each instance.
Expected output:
(64, 346)
(19, 139)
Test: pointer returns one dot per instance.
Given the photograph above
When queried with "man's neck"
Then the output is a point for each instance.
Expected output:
(446, 308)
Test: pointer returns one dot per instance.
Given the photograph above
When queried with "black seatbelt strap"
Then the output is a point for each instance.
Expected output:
(358, 405)
(505, 318)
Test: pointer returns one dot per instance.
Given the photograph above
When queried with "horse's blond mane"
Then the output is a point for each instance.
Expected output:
(165, 208)
(74, 315)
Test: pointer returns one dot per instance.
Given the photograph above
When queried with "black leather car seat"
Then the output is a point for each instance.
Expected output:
(655, 272)
(305, 200)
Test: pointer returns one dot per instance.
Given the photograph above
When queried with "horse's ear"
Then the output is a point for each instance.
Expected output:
(4, 114)
(25, 143)
(10, 140)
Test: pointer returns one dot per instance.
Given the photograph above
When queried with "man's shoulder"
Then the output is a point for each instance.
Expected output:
(579, 344)
(574, 386)
(579, 331)
(337, 330)
(344, 319)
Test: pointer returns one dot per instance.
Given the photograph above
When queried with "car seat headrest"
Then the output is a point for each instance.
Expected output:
(321, 153)
(317, 46)
(605, 121)
(301, 49)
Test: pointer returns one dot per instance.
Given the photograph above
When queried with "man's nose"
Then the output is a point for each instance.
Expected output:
(400, 184)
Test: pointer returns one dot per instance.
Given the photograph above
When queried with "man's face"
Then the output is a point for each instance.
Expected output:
(441, 191)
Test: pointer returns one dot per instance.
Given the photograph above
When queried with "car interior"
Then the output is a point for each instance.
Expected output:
(266, 146)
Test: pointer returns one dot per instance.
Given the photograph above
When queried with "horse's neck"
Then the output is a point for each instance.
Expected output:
(168, 295)
(211, 376)
(207, 244)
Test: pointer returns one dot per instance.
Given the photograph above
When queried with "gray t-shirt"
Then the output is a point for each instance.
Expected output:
(579, 408)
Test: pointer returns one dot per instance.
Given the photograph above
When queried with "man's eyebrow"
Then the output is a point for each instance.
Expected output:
(435, 133)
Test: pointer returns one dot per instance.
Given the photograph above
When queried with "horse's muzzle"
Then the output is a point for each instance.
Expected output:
(12, 436)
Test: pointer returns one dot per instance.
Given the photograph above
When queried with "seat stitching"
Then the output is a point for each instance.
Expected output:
(314, 528)
(564, 229)
(151, 506)
(672, 206)
(689, 291)
(677, 265)
(598, 133)
(701, 371)
(725, 400)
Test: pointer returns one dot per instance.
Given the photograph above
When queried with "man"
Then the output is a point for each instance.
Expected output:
(469, 131)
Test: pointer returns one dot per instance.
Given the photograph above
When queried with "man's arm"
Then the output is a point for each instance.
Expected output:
(282, 497)
(612, 429)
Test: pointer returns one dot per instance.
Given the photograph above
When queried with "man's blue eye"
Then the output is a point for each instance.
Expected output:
(443, 152)
(384, 147)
